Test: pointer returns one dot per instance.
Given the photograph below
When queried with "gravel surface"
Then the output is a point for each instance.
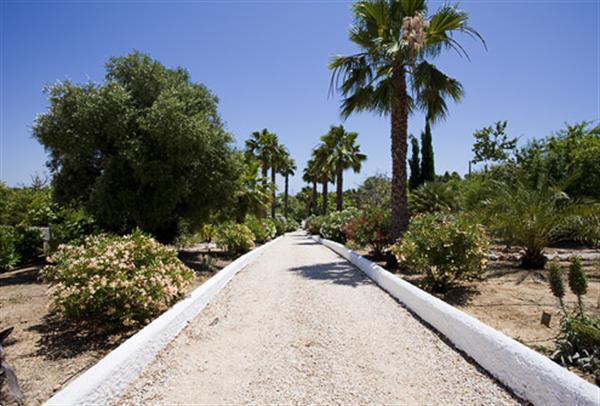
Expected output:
(303, 326)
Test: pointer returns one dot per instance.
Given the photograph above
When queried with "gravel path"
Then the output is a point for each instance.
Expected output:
(302, 326)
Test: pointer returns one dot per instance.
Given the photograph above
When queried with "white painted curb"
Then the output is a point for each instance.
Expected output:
(105, 381)
(530, 375)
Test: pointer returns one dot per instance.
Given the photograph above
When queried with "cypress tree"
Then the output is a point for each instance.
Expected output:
(414, 163)
(427, 162)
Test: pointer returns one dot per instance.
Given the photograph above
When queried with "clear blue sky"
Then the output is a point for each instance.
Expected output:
(267, 63)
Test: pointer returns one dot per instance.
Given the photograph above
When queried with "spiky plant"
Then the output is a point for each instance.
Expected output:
(432, 197)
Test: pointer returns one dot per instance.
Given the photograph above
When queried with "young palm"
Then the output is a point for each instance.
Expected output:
(392, 75)
(311, 176)
(287, 169)
(323, 170)
(344, 154)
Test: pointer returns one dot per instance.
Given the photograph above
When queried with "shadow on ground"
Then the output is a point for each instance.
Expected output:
(61, 339)
(340, 273)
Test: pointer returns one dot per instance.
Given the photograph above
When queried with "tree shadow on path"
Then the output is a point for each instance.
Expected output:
(338, 272)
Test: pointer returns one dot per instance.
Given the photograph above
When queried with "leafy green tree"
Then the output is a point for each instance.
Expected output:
(144, 149)
(287, 169)
(375, 191)
(427, 171)
(492, 144)
(414, 164)
(344, 154)
(397, 42)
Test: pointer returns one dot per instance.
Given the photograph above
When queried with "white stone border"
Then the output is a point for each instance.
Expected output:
(530, 375)
(106, 380)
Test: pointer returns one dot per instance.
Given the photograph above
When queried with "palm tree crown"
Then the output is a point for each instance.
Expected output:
(344, 154)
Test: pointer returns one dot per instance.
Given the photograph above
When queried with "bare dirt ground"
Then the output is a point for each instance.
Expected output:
(47, 352)
(303, 326)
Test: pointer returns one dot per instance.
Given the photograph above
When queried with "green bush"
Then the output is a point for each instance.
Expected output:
(334, 223)
(263, 230)
(281, 224)
(370, 229)
(71, 227)
(432, 197)
(235, 238)
(8, 249)
(292, 225)
(116, 281)
(444, 248)
(29, 243)
(313, 224)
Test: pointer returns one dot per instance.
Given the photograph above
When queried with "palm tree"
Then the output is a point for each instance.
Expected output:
(253, 196)
(396, 41)
(287, 169)
(274, 154)
(323, 171)
(310, 176)
(255, 148)
(343, 154)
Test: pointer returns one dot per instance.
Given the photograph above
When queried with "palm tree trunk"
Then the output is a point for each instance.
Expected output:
(339, 198)
(325, 182)
(264, 168)
(285, 198)
(313, 200)
(274, 192)
(399, 133)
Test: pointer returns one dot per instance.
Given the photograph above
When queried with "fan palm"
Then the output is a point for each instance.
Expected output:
(344, 154)
(255, 148)
(323, 171)
(253, 196)
(274, 154)
(287, 169)
(310, 175)
(396, 40)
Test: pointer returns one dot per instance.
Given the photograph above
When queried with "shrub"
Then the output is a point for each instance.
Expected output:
(71, 227)
(235, 238)
(8, 250)
(292, 225)
(263, 230)
(313, 224)
(280, 224)
(444, 248)
(370, 228)
(432, 197)
(116, 281)
(29, 243)
(334, 223)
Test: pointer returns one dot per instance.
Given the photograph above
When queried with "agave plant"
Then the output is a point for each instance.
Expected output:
(530, 217)
(7, 374)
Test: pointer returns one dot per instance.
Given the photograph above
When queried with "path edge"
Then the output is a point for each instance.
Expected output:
(527, 373)
(106, 380)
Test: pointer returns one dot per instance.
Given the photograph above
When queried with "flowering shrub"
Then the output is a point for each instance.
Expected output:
(235, 238)
(370, 228)
(313, 224)
(116, 281)
(444, 248)
(333, 224)
(281, 224)
(263, 230)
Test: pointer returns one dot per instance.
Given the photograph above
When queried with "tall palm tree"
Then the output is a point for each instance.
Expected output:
(344, 154)
(323, 170)
(274, 154)
(287, 169)
(397, 40)
(310, 175)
